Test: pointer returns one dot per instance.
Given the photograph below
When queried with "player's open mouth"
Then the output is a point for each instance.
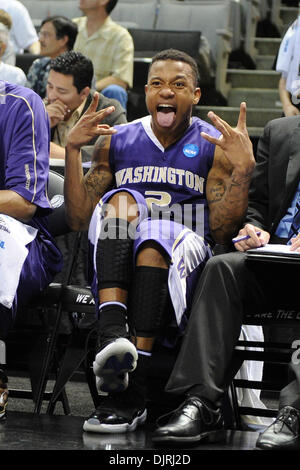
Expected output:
(166, 114)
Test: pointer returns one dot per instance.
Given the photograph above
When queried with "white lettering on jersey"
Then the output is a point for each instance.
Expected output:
(154, 174)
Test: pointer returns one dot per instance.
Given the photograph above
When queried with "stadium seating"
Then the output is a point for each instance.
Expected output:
(41, 9)
(135, 14)
(212, 19)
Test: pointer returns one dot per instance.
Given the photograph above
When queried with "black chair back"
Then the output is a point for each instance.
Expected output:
(25, 60)
(57, 222)
(148, 42)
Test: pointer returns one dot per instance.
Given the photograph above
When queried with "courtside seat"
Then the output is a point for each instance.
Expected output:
(78, 299)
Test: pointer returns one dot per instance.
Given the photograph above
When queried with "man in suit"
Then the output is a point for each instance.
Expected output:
(228, 288)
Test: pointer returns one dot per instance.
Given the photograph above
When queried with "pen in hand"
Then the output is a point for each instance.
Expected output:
(244, 237)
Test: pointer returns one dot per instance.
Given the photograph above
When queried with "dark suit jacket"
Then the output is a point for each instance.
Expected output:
(277, 173)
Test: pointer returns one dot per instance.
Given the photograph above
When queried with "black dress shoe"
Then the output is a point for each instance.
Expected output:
(189, 423)
(284, 433)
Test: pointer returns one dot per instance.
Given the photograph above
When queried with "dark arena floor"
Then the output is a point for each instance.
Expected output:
(24, 430)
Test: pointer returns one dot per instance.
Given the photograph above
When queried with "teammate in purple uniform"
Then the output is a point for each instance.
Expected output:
(28, 254)
(144, 245)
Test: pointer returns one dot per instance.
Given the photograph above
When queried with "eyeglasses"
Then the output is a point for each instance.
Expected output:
(45, 34)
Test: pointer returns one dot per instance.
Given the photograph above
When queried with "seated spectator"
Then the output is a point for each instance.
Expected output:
(9, 73)
(9, 56)
(23, 33)
(29, 249)
(109, 46)
(180, 185)
(288, 65)
(57, 35)
(69, 96)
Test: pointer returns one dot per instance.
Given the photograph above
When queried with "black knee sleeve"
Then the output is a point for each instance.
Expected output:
(148, 299)
(114, 256)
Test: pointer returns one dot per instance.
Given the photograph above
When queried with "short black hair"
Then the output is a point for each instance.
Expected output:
(63, 27)
(176, 55)
(75, 64)
(110, 6)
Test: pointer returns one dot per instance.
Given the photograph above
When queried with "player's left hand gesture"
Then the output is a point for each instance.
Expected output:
(235, 142)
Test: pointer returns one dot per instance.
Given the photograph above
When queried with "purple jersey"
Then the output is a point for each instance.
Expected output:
(23, 120)
(167, 177)
(24, 169)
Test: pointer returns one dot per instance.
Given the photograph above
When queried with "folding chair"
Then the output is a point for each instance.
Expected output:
(79, 351)
(281, 337)
(274, 354)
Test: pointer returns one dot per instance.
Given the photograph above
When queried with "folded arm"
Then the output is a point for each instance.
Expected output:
(14, 205)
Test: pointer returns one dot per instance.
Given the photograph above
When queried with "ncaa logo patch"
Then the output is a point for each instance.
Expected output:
(191, 150)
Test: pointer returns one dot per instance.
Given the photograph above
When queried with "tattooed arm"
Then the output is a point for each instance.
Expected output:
(229, 179)
(82, 193)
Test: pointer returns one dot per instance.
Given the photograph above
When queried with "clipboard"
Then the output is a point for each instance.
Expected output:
(273, 253)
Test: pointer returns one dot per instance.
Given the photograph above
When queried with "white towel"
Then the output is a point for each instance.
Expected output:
(14, 236)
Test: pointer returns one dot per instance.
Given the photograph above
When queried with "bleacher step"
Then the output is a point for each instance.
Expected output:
(255, 131)
(265, 62)
(253, 78)
(255, 97)
(288, 14)
(256, 117)
(267, 46)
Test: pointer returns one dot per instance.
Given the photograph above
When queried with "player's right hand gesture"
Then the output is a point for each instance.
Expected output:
(89, 125)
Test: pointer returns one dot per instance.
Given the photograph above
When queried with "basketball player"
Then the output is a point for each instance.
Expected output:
(161, 191)
(29, 257)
